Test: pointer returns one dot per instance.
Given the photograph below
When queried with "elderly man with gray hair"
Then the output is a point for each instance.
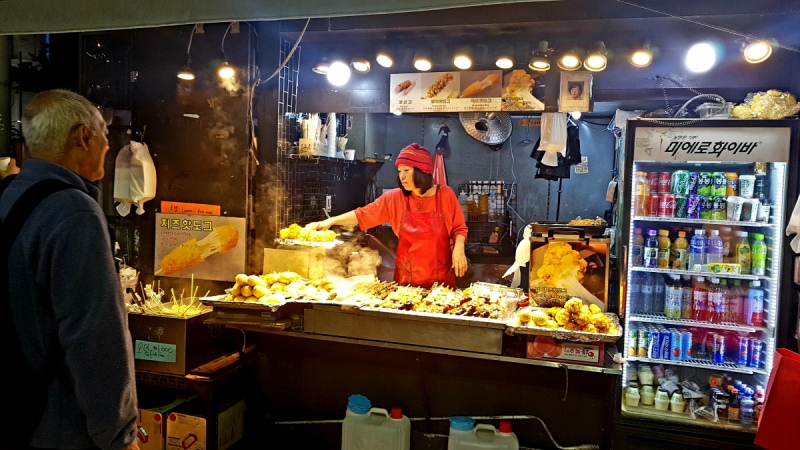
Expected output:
(64, 322)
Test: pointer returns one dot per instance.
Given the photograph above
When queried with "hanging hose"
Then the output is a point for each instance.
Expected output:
(714, 97)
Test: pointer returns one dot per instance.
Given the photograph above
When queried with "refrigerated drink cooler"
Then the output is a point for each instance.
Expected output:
(703, 266)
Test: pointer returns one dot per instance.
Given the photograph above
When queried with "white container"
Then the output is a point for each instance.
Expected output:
(374, 428)
(747, 185)
(463, 436)
(714, 110)
(647, 395)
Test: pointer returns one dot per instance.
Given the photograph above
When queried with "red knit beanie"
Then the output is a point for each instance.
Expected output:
(417, 156)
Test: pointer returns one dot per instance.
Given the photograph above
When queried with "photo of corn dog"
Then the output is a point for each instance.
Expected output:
(440, 86)
(405, 87)
(478, 87)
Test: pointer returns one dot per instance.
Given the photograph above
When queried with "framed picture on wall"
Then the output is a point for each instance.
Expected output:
(575, 93)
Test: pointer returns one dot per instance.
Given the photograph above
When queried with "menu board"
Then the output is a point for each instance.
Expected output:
(484, 90)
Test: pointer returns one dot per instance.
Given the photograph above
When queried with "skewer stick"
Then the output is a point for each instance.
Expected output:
(159, 272)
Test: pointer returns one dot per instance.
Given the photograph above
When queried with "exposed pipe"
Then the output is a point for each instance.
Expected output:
(5, 96)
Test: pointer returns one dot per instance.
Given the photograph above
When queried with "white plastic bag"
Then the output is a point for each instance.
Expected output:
(122, 181)
(554, 137)
(522, 258)
(793, 227)
(143, 176)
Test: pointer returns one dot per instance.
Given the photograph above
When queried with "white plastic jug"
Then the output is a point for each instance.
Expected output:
(366, 428)
(465, 436)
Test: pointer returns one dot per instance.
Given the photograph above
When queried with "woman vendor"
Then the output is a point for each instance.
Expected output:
(427, 219)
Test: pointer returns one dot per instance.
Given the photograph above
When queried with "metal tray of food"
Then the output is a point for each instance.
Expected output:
(219, 301)
(292, 242)
(561, 333)
(552, 228)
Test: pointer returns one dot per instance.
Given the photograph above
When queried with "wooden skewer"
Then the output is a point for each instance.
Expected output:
(159, 272)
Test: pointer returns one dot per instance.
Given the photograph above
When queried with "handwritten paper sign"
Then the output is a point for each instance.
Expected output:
(155, 351)
(196, 209)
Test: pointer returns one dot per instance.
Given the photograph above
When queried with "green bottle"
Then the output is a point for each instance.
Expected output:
(759, 255)
(743, 255)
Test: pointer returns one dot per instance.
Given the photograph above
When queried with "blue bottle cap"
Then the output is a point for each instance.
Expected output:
(462, 423)
(358, 404)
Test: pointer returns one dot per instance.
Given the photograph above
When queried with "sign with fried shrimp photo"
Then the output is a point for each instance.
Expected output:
(206, 247)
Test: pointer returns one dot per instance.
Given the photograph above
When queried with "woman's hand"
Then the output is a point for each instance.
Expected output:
(460, 263)
(324, 225)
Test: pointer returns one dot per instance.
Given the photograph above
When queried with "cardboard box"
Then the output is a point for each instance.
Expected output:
(189, 432)
(546, 348)
(230, 426)
(151, 424)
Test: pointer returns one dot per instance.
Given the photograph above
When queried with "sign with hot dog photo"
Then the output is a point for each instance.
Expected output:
(456, 91)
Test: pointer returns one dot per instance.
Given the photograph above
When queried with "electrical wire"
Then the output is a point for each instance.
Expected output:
(289, 56)
(713, 27)
(508, 202)
(189, 48)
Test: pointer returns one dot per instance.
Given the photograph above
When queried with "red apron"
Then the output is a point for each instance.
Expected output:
(424, 255)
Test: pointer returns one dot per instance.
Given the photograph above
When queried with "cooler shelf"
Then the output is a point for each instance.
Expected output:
(662, 318)
(684, 220)
(699, 274)
(701, 364)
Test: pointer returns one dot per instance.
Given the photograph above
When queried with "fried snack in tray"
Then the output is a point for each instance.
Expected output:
(478, 301)
(574, 316)
(298, 233)
(588, 222)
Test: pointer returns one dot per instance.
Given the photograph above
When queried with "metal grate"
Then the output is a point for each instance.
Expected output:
(481, 230)
(288, 79)
(662, 318)
(700, 363)
(311, 187)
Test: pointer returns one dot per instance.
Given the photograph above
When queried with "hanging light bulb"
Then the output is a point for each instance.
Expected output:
(505, 56)
(422, 60)
(322, 67)
(701, 57)
(596, 59)
(360, 65)
(569, 61)
(186, 72)
(225, 70)
(463, 58)
(757, 51)
(642, 56)
(384, 59)
(575, 115)
(339, 73)
(540, 60)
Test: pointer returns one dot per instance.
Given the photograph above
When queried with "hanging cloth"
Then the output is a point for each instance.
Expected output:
(553, 140)
(793, 227)
(571, 156)
(442, 150)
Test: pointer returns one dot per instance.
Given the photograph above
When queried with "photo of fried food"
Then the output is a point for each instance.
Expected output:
(478, 86)
(191, 253)
(405, 87)
(439, 85)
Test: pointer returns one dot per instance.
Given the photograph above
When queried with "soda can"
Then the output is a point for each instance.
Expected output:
(680, 182)
(666, 208)
(677, 346)
(756, 347)
(666, 344)
(665, 182)
(707, 208)
(652, 345)
(693, 180)
(641, 344)
(759, 191)
(705, 185)
(632, 336)
(681, 206)
(732, 189)
(687, 345)
(744, 351)
(655, 203)
(719, 208)
(719, 349)
(694, 207)
(652, 177)
(720, 183)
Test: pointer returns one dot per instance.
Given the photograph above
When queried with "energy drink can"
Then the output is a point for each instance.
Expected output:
(677, 346)
(720, 184)
(744, 351)
(681, 206)
(687, 345)
(694, 206)
(693, 180)
(705, 185)
(719, 208)
(652, 345)
(756, 348)
(719, 349)
(641, 344)
(707, 208)
(632, 336)
(666, 343)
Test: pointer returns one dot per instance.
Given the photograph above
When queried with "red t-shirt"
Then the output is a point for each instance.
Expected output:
(391, 207)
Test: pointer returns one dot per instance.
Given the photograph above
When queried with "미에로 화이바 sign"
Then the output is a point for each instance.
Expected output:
(746, 144)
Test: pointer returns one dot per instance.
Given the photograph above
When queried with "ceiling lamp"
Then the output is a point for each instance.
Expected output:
(360, 65)
(701, 57)
(505, 56)
(186, 72)
(225, 70)
(463, 58)
(339, 73)
(642, 56)
(596, 59)
(575, 115)
(569, 61)
(422, 60)
(322, 68)
(540, 60)
(757, 51)
(384, 59)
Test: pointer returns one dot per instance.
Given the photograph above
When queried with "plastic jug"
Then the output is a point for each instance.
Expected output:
(365, 427)
(465, 435)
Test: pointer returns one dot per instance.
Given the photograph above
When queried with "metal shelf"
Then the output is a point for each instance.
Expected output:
(701, 364)
(317, 158)
(699, 274)
(650, 413)
(662, 318)
(677, 220)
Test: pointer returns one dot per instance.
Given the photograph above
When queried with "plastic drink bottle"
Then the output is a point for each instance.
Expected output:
(743, 253)
(680, 252)
(641, 194)
(648, 292)
(635, 289)
(664, 245)
(673, 298)
(726, 235)
(746, 411)
(754, 309)
(651, 250)
(715, 301)
(759, 255)
(462, 200)
(727, 299)
(734, 408)
(700, 300)
(698, 249)
(686, 297)
(637, 252)
(736, 309)
(659, 292)
(716, 248)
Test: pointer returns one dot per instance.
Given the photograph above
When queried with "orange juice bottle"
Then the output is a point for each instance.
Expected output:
(641, 194)
(680, 252)
(664, 245)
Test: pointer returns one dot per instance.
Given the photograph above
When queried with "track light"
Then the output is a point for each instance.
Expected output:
(569, 61)
(360, 65)
(642, 56)
(339, 73)
(384, 59)
(422, 60)
(463, 58)
(541, 58)
(225, 70)
(596, 59)
(575, 115)
(186, 72)
(701, 57)
(505, 56)
(757, 51)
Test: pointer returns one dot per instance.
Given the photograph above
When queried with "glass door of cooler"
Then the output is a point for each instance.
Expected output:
(704, 238)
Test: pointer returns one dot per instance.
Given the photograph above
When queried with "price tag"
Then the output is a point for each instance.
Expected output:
(155, 351)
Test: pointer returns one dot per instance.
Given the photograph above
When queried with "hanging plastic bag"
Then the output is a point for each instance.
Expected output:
(143, 176)
(122, 181)
(522, 258)
(554, 137)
